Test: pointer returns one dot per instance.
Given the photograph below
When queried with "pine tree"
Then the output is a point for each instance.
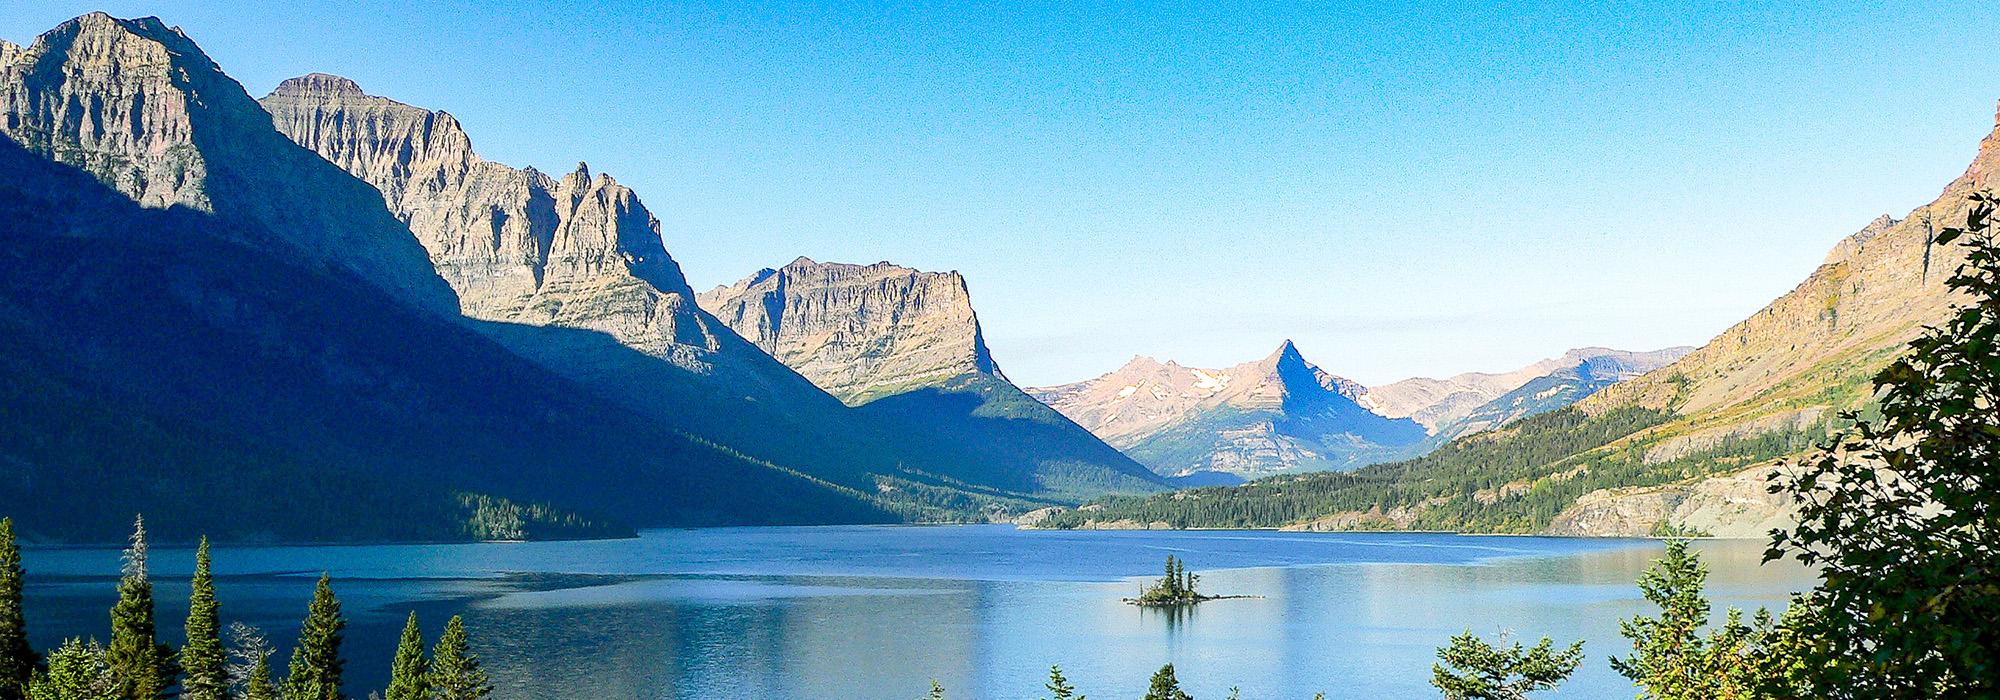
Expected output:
(1475, 670)
(202, 659)
(455, 672)
(408, 674)
(316, 666)
(17, 659)
(1165, 686)
(1060, 687)
(142, 667)
(937, 691)
(259, 686)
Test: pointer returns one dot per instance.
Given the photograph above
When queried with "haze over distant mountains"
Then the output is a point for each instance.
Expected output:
(1283, 414)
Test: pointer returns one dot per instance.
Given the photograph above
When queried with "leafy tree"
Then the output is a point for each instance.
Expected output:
(408, 674)
(314, 673)
(1165, 686)
(78, 670)
(1475, 670)
(142, 666)
(202, 660)
(1901, 514)
(455, 673)
(17, 659)
(1671, 660)
(1059, 687)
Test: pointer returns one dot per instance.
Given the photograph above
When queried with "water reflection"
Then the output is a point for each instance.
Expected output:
(878, 612)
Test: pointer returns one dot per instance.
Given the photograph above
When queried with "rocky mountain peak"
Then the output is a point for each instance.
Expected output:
(858, 331)
(137, 105)
(319, 85)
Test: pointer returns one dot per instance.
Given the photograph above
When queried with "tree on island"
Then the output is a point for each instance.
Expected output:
(1475, 670)
(1177, 587)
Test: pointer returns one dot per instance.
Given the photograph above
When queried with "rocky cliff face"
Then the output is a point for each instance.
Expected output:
(1274, 415)
(140, 107)
(202, 318)
(905, 346)
(859, 331)
(1784, 373)
(578, 251)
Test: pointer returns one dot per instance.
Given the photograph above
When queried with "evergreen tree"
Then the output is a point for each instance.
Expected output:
(1901, 515)
(202, 659)
(408, 674)
(78, 670)
(937, 691)
(259, 686)
(1670, 659)
(455, 672)
(1165, 686)
(316, 666)
(1060, 687)
(1475, 670)
(142, 667)
(17, 659)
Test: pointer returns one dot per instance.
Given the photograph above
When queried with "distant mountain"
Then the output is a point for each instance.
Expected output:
(905, 346)
(205, 322)
(1468, 403)
(1276, 415)
(1684, 448)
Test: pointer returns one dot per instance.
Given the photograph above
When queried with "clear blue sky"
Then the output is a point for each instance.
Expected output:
(1405, 189)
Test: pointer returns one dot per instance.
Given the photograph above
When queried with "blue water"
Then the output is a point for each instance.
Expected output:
(877, 612)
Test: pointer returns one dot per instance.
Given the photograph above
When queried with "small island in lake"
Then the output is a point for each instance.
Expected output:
(1176, 588)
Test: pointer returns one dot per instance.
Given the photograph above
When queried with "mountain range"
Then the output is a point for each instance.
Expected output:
(322, 315)
(1685, 448)
(1283, 414)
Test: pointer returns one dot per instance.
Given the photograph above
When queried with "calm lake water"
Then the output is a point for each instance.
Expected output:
(876, 612)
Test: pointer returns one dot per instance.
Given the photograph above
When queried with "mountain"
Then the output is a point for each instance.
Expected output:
(905, 347)
(580, 252)
(1468, 403)
(1279, 414)
(1684, 448)
(207, 323)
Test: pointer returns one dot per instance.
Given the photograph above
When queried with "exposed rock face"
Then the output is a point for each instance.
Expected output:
(859, 332)
(1274, 415)
(1732, 505)
(576, 252)
(202, 318)
(517, 245)
(140, 107)
(1466, 403)
(906, 347)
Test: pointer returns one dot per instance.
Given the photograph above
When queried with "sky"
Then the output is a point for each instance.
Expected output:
(1404, 189)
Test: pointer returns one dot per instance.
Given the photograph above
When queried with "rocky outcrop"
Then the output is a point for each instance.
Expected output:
(1275, 415)
(137, 105)
(1733, 505)
(905, 346)
(858, 331)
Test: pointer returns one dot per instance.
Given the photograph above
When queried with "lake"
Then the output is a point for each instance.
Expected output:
(877, 611)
